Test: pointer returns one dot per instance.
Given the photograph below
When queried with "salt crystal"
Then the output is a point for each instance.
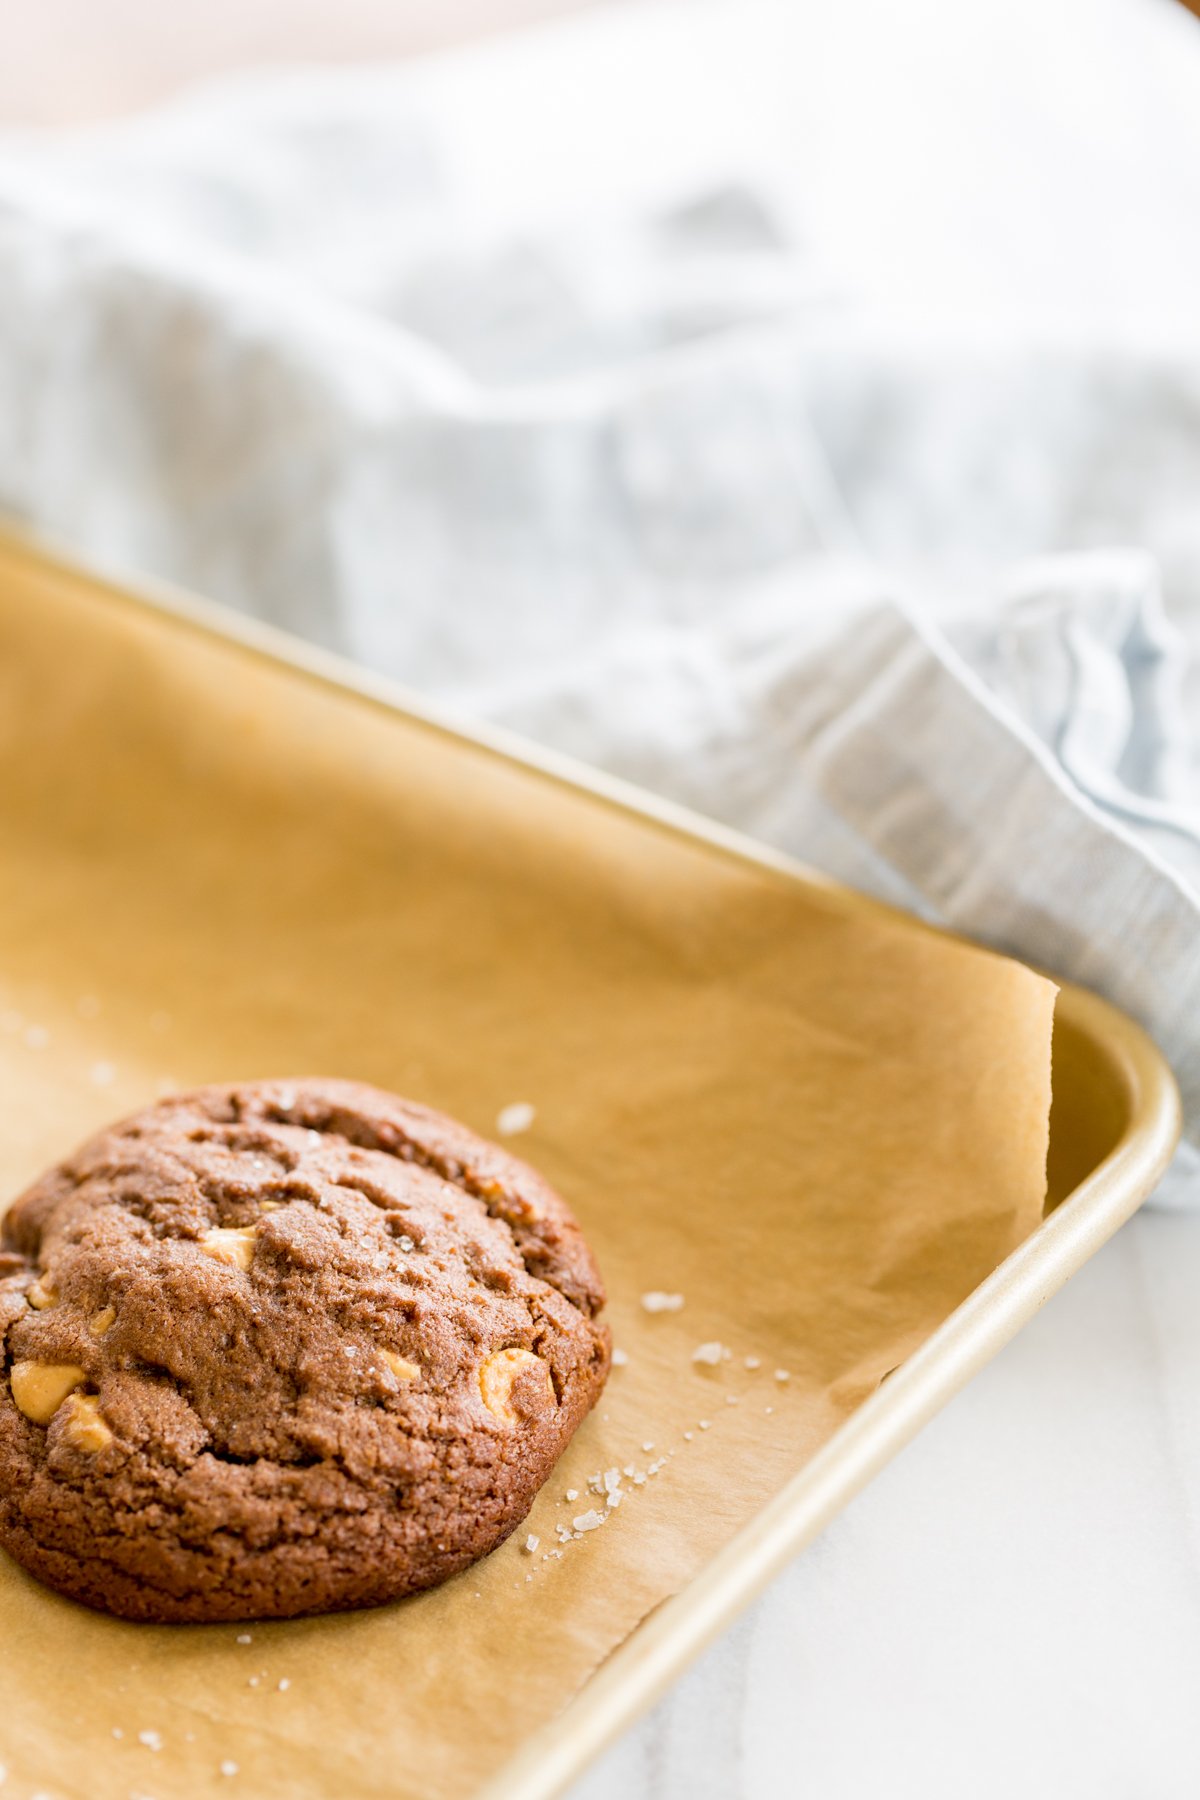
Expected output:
(588, 1521)
(284, 1685)
(628, 1470)
(245, 1638)
(572, 1493)
(768, 1409)
(708, 1353)
(151, 1739)
(647, 1448)
(517, 1117)
(656, 1302)
(102, 1074)
(731, 1399)
(620, 1358)
(688, 1436)
(531, 1543)
(254, 1680)
(612, 1477)
(782, 1375)
(615, 1498)
(704, 1424)
(406, 1243)
(753, 1362)
(639, 1481)
(117, 1732)
(229, 1769)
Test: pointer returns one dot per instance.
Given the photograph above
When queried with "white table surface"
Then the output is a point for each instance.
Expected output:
(1013, 1607)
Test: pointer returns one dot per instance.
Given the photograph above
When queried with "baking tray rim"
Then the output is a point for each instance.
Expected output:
(641, 1668)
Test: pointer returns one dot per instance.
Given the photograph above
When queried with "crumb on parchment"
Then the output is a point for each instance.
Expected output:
(657, 1302)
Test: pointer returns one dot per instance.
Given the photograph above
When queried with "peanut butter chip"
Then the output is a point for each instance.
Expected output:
(497, 1375)
(39, 1389)
(230, 1244)
(84, 1425)
(42, 1294)
(401, 1368)
(103, 1321)
(518, 1204)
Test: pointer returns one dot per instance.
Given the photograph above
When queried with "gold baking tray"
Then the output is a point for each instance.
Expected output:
(117, 918)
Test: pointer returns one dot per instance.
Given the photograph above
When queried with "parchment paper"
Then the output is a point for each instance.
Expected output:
(820, 1126)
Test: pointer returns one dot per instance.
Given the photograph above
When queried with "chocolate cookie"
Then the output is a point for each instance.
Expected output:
(282, 1349)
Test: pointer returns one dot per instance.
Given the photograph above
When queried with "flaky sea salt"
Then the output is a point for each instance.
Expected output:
(102, 1074)
(620, 1359)
(244, 1638)
(531, 1543)
(151, 1739)
(704, 1424)
(782, 1375)
(517, 1117)
(229, 1770)
(709, 1354)
(284, 1685)
(753, 1362)
(657, 1302)
(588, 1521)
(572, 1493)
